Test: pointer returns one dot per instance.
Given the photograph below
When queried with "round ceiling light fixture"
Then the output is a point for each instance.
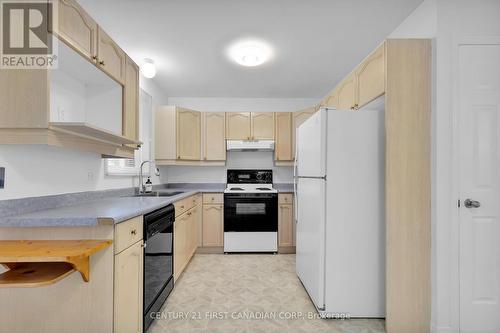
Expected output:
(250, 53)
(148, 68)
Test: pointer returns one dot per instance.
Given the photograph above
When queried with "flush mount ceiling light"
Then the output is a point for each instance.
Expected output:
(250, 53)
(148, 68)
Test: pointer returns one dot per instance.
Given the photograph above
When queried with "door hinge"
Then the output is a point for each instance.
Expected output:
(458, 203)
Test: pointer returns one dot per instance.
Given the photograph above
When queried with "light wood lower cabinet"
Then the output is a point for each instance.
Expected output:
(128, 290)
(186, 228)
(286, 224)
(213, 225)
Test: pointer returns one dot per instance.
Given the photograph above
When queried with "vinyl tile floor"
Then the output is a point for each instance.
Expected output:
(240, 293)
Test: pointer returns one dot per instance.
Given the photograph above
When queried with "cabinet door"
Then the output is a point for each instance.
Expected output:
(110, 56)
(285, 225)
(262, 125)
(192, 232)
(214, 136)
(128, 290)
(331, 101)
(346, 93)
(370, 77)
(283, 149)
(297, 119)
(188, 134)
(180, 246)
(77, 28)
(213, 225)
(238, 126)
(131, 101)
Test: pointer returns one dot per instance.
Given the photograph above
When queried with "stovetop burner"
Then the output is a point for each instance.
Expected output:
(236, 189)
(263, 189)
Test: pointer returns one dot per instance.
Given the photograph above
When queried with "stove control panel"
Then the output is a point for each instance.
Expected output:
(239, 176)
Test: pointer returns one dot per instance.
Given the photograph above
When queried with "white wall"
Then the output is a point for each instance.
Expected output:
(42, 170)
(252, 160)
(217, 174)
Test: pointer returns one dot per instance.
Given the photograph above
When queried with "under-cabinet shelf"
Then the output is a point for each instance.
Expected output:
(34, 263)
(91, 131)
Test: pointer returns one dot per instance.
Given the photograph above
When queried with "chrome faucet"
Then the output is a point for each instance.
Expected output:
(142, 187)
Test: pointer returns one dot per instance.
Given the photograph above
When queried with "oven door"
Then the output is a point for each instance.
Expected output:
(247, 212)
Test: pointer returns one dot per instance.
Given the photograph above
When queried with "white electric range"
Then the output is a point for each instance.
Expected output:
(250, 212)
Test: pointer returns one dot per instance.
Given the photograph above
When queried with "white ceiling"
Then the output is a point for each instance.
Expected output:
(315, 42)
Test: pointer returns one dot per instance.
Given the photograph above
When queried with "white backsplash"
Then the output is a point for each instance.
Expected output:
(217, 174)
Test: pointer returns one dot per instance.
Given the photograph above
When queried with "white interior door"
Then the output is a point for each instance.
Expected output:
(310, 248)
(479, 138)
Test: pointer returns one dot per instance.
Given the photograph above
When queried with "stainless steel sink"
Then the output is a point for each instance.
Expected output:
(158, 194)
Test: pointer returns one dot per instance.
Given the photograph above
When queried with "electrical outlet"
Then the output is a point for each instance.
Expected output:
(2, 177)
(61, 114)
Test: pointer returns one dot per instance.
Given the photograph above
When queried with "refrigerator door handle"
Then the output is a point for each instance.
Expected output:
(296, 194)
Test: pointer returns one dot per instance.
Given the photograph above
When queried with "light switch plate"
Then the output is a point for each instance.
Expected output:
(2, 177)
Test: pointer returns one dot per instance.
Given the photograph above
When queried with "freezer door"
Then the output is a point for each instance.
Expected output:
(311, 146)
(310, 257)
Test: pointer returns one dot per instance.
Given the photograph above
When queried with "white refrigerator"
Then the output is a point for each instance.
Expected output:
(339, 211)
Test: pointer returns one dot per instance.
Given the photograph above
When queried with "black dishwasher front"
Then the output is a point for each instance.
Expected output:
(158, 260)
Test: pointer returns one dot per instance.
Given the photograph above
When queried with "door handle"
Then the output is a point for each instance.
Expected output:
(472, 203)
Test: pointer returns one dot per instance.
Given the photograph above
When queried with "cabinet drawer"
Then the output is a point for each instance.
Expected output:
(286, 198)
(213, 198)
(128, 233)
(184, 205)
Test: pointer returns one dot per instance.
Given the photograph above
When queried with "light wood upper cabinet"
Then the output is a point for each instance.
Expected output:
(214, 136)
(370, 77)
(346, 93)
(188, 134)
(128, 290)
(131, 101)
(213, 221)
(331, 101)
(262, 125)
(297, 119)
(110, 56)
(283, 133)
(238, 126)
(77, 28)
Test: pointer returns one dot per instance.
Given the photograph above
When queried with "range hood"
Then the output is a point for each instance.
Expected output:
(250, 145)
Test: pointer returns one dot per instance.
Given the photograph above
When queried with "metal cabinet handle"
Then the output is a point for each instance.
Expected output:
(133, 232)
(94, 58)
(101, 63)
(472, 203)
